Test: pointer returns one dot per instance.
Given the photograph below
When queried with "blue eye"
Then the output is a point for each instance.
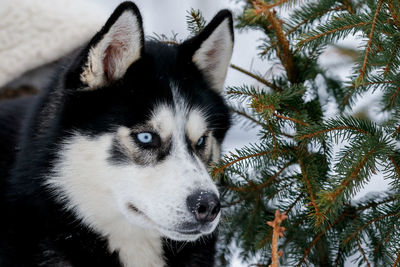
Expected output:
(145, 138)
(201, 142)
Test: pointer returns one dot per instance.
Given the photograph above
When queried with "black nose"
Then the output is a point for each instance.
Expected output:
(204, 205)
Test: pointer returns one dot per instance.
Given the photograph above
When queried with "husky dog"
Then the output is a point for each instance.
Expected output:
(108, 166)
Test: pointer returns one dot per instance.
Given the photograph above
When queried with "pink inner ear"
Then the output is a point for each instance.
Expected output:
(112, 57)
(212, 54)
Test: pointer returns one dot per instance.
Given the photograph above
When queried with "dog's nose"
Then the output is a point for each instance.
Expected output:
(204, 205)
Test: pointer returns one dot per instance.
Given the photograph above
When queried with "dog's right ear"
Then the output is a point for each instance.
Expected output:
(113, 49)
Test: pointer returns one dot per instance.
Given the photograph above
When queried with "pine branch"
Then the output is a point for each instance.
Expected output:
(385, 240)
(285, 56)
(375, 204)
(316, 15)
(259, 187)
(338, 220)
(391, 59)
(236, 160)
(290, 119)
(320, 235)
(326, 226)
(320, 217)
(367, 50)
(362, 252)
(345, 183)
(346, 27)
(247, 116)
(349, 8)
(394, 14)
(339, 128)
(301, 195)
(396, 262)
(276, 3)
(394, 95)
(256, 77)
(396, 167)
(369, 223)
(195, 21)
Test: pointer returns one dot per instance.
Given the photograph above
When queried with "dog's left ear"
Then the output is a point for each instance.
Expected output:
(114, 48)
(211, 49)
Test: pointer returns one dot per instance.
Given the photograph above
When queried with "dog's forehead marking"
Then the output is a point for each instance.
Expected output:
(167, 120)
(163, 120)
(178, 118)
(196, 125)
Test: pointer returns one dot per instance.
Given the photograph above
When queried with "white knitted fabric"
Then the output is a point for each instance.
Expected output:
(36, 32)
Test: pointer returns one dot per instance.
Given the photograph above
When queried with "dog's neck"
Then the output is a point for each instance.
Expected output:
(136, 246)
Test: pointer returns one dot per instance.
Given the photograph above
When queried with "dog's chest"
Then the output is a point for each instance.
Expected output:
(137, 247)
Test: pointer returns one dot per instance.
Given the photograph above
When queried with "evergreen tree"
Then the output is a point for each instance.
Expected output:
(306, 165)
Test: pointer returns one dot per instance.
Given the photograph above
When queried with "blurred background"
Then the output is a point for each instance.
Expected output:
(34, 35)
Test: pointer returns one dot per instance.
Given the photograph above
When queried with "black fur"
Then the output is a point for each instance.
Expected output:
(35, 230)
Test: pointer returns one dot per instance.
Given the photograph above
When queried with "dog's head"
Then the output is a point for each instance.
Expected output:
(143, 121)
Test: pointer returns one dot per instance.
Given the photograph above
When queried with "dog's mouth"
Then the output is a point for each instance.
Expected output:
(191, 232)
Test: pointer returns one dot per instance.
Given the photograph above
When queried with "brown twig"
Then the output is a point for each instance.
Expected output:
(392, 56)
(170, 42)
(367, 224)
(394, 95)
(291, 119)
(318, 237)
(394, 15)
(277, 232)
(227, 164)
(397, 260)
(310, 135)
(396, 167)
(196, 20)
(259, 186)
(318, 14)
(338, 254)
(285, 55)
(253, 215)
(363, 252)
(319, 215)
(371, 34)
(256, 77)
(259, 107)
(302, 42)
(294, 28)
(277, 3)
(385, 240)
(396, 132)
(374, 204)
(247, 116)
(338, 220)
(351, 177)
(347, 3)
(294, 203)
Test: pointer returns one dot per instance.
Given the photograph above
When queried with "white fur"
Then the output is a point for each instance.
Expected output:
(214, 55)
(124, 43)
(100, 193)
